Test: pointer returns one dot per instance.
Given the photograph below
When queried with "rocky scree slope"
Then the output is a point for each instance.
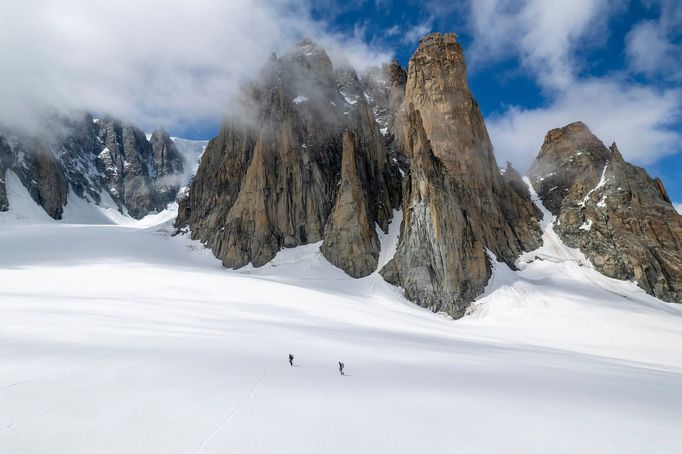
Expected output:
(94, 159)
(618, 216)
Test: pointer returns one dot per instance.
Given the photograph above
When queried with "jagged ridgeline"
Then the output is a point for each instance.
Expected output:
(105, 161)
(312, 153)
(281, 173)
(316, 153)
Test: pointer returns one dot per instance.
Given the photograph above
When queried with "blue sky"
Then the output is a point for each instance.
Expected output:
(533, 64)
(613, 57)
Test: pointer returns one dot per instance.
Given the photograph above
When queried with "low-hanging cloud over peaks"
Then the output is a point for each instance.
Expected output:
(155, 62)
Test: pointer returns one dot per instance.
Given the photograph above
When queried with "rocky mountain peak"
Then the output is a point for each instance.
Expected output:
(93, 158)
(397, 74)
(329, 155)
(437, 87)
(570, 157)
(324, 162)
(308, 61)
(307, 45)
(277, 182)
(618, 216)
(456, 205)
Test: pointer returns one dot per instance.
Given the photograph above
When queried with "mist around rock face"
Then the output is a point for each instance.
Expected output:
(323, 154)
(313, 152)
(105, 161)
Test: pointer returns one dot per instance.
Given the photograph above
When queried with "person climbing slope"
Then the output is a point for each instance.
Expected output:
(341, 366)
(291, 359)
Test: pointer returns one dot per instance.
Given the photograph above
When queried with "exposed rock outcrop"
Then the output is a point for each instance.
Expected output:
(618, 216)
(6, 159)
(350, 240)
(168, 166)
(515, 181)
(39, 170)
(127, 164)
(48, 185)
(385, 90)
(283, 172)
(271, 177)
(456, 204)
(92, 158)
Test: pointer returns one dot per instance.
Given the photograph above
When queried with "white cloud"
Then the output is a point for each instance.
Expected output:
(650, 44)
(649, 50)
(542, 34)
(637, 118)
(549, 39)
(416, 32)
(152, 61)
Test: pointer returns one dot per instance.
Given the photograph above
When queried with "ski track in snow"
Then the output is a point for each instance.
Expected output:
(234, 412)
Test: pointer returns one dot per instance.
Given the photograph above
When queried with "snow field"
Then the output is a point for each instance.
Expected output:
(116, 337)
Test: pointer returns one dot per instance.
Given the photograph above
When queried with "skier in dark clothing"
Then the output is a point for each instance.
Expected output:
(341, 366)
(291, 359)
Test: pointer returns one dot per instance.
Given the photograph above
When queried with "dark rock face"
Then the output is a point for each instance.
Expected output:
(168, 166)
(6, 160)
(40, 172)
(51, 163)
(48, 184)
(75, 143)
(92, 158)
(618, 216)
(455, 202)
(272, 177)
(515, 181)
(127, 163)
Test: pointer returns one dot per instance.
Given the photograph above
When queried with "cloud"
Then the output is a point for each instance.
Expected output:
(416, 32)
(651, 46)
(154, 62)
(542, 35)
(638, 118)
(549, 39)
(651, 52)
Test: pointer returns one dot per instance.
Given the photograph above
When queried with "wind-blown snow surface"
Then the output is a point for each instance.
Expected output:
(124, 339)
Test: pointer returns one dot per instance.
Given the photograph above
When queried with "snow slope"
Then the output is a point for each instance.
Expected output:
(120, 338)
